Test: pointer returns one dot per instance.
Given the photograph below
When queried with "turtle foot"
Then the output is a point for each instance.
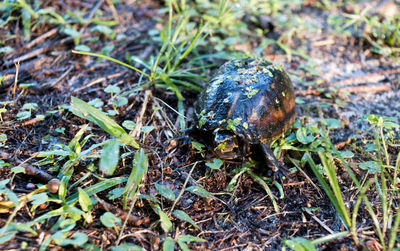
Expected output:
(279, 171)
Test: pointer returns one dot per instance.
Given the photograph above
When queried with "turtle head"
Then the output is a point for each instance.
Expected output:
(226, 144)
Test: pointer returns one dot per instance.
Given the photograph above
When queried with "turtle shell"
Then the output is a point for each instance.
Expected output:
(252, 98)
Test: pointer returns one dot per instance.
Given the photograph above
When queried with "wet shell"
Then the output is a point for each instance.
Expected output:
(252, 98)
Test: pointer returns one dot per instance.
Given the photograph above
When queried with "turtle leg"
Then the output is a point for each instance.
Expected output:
(279, 170)
(186, 135)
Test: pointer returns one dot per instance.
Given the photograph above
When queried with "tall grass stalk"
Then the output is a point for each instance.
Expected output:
(169, 70)
(385, 180)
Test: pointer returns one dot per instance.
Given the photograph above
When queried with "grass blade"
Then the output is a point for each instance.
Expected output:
(266, 188)
(166, 224)
(332, 178)
(140, 165)
(111, 59)
(96, 188)
(86, 111)
(185, 217)
(327, 189)
(109, 157)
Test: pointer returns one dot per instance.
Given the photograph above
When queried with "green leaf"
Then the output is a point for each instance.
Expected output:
(198, 146)
(97, 187)
(370, 147)
(128, 247)
(7, 236)
(183, 245)
(74, 213)
(165, 191)
(149, 198)
(30, 106)
(82, 47)
(234, 180)
(26, 24)
(112, 89)
(96, 102)
(140, 165)
(390, 125)
(120, 101)
(86, 111)
(166, 224)
(59, 237)
(74, 143)
(190, 238)
(216, 164)
(75, 34)
(266, 188)
(347, 154)
(39, 198)
(302, 137)
(62, 189)
(60, 130)
(18, 169)
(370, 166)
(6, 49)
(109, 157)
(110, 220)
(3, 183)
(24, 115)
(23, 227)
(107, 49)
(102, 29)
(140, 61)
(78, 239)
(4, 164)
(147, 129)
(332, 189)
(129, 124)
(300, 244)
(332, 123)
(372, 119)
(169, 244)
(115, 193)
(60, 152)
(67, 224)
(198, 191)
(185, 217)
(280, 189)
(111, 112)
(12, 196)
(84, 200)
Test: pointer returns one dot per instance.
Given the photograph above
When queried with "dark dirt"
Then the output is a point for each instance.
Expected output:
(244, 221)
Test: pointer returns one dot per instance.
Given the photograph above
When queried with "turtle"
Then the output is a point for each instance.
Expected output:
(249, 102)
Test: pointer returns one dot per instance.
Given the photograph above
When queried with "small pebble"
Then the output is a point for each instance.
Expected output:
(30, 186)
(43, 206)
(53, 185)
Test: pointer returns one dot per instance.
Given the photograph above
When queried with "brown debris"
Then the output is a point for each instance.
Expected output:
(132, 220)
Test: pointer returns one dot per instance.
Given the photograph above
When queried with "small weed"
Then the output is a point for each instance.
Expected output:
(381, 32)
(31, 16)
(316, 139)
(171, 69)
(246, 169)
